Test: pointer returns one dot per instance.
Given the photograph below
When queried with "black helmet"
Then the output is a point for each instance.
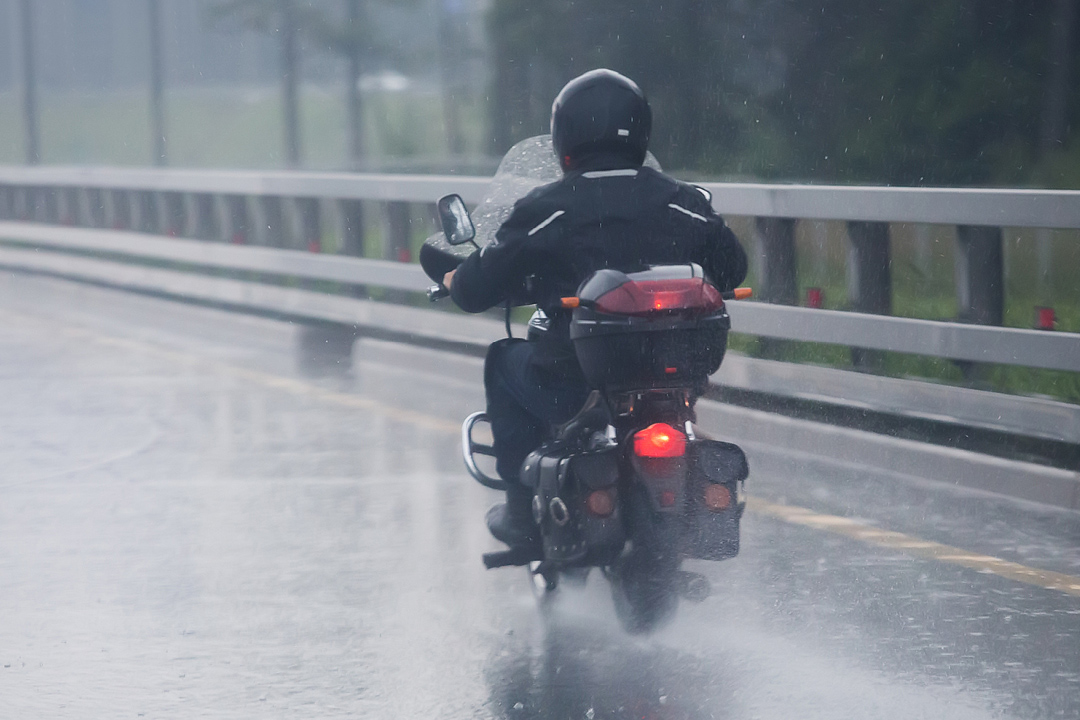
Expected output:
(600, 112)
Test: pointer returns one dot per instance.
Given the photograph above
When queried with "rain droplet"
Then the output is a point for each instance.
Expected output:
(590, 714)
(519, 706)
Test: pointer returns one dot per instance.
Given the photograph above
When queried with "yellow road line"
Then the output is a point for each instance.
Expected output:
(914, 546)
(788, 513)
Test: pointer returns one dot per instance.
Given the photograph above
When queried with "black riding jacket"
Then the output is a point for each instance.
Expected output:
(561, 233)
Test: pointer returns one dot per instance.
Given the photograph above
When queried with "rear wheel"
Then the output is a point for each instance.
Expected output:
(644, 589)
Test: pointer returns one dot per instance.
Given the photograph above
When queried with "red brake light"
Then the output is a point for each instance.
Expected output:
(659, 440)
(650, 296)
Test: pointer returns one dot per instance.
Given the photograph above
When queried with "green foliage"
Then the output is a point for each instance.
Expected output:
(912, 92)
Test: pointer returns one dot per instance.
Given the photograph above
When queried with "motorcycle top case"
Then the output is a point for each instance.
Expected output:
(660, 328)
(561, 478)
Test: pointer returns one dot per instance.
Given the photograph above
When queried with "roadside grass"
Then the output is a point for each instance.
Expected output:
(230, 127)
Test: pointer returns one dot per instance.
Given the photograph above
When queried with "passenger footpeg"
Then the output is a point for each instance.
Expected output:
(513, 556)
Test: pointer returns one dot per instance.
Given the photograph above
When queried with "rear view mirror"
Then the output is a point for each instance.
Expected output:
(456, 223)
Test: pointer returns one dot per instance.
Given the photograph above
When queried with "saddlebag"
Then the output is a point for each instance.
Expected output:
(563, 480)
(715, 502)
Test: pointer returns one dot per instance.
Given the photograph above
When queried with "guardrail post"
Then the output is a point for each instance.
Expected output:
(92, 210)
(144, 211)
(44, 204)
(869, 279)
(396, 246)
(310, 224)
(20, 203)
(980, 286)
(51, 201)
(980, 283)
(272, 225)
(5, 203)
(171, 212)
(204, 223)
(119, 207)
(777, 276)
(236, 213)
(67, 205)
(351, 214)
(777, 272)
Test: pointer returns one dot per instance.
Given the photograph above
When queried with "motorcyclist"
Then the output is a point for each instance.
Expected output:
(608, 210)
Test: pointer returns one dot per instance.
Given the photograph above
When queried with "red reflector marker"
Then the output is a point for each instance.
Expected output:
(600, 503)
(717, 498)
(1045, 318)
(659, 440)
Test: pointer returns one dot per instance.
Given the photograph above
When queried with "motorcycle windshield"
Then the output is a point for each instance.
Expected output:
(525, 167)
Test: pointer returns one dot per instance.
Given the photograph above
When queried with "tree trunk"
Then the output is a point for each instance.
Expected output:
(1055, 102)
(289, 67)
(157, 84)
(352, 90)
(30, 109)
(449, 35)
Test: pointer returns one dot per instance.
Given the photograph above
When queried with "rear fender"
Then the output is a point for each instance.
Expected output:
(664, 480)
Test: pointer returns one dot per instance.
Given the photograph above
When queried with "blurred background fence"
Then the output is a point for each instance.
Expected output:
(913, 93)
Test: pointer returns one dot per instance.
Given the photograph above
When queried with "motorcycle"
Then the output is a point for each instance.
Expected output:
(627, 485)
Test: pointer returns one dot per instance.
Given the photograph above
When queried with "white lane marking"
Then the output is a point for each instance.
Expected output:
(547, 222)
(683, 210)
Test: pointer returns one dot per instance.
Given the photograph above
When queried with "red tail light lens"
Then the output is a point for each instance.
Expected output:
(659, 440)
(652, 296)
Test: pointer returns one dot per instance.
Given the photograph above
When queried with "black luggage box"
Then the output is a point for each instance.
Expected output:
(673, 348)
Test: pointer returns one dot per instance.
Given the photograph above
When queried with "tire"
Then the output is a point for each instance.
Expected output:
(644, 582)
(644, 590)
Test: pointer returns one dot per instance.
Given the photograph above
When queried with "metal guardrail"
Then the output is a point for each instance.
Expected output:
(275, 183)
(1029, 348)
(950, 206)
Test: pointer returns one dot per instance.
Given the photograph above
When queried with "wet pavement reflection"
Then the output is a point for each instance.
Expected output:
(194, 523)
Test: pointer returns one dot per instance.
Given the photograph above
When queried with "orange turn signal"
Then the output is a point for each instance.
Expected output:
(743, 293)
(717, 497)
(600, 503)
(570, 302)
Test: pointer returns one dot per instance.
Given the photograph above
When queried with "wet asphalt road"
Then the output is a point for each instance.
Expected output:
(191, 525)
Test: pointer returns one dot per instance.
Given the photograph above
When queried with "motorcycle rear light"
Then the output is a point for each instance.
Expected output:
(645, 297)
(659, 440)
(600, 503)
(717, 497)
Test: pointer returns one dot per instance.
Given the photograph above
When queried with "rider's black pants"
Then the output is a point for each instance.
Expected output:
(523, 403)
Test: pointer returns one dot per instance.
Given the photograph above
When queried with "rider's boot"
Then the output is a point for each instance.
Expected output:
(512, 521)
